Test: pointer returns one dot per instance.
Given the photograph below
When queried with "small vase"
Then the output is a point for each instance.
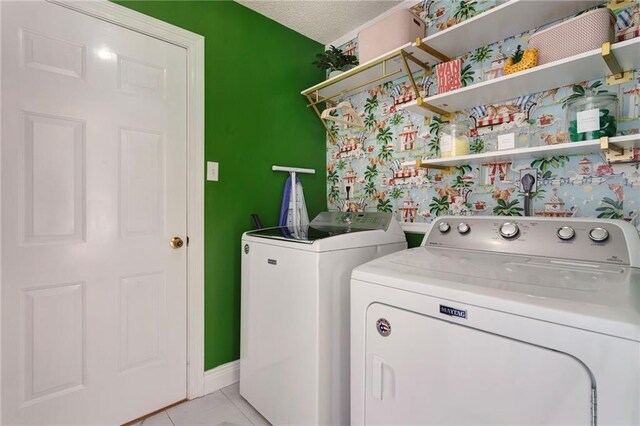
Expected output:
(335, 73)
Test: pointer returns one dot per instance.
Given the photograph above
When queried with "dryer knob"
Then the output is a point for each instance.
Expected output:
(463, 228)
(509, 230)
(598, 235)
(566, 233)
(444, 227)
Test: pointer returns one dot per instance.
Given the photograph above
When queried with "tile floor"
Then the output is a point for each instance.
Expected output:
(225, 407)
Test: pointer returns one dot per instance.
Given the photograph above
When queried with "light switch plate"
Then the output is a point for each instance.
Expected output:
(212, 171)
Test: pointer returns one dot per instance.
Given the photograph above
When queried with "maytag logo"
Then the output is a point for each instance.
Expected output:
(453, 312)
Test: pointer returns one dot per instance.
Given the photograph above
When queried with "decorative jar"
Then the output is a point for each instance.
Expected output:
(454, 139)
(592, 116)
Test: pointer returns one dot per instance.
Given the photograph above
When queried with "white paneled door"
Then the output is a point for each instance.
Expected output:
(93, 191)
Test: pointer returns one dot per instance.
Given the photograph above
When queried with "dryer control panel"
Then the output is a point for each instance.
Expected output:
(584, 240)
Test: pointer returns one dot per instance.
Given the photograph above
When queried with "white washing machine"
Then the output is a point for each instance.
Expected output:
(500, 321)
(294, 355)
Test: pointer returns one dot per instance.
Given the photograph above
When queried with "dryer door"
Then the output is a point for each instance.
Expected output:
(427, 371)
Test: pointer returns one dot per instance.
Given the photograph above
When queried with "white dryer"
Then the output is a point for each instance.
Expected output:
(294, 355)
(500, 321)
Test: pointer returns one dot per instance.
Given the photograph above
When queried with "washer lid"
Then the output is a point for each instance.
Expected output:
(335, 231)
(597, 297)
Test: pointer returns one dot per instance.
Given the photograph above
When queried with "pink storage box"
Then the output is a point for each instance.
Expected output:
(574, 36)
(397, 29)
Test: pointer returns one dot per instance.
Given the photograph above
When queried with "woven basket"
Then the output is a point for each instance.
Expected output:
(529, 60)
(577, 35)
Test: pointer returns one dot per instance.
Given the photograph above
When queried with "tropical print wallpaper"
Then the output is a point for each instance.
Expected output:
(373, 168)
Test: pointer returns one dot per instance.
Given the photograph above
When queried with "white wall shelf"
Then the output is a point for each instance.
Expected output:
(511, 18)
(583, 67)
(508, 19)
(572, 148)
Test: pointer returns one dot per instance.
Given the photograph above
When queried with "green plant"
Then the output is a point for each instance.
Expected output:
(517, 56)
(341, 164)
(334, 59)
(610, 209)
(439, 205)
(508, 208)
(581, 92)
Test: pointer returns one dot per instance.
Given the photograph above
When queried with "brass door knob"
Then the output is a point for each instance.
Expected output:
(176, 242)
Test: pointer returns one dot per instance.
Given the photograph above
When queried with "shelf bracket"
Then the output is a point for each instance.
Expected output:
(403, 57)
(618, 75)
(618, 4)
(314, 105)
(431, 51)
(420, 164)
(444, 114)
(613, 152)
(427, 69)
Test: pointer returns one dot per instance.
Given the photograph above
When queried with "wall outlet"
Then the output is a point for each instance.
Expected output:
(534, 174)
(212, 171)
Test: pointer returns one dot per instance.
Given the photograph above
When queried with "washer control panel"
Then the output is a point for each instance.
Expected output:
(588, 240)
(509, 230)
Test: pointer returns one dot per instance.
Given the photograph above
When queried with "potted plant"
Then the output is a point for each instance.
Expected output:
(335, 61)
(521, 61)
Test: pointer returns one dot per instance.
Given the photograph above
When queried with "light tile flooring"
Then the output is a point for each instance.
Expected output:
(225, 407)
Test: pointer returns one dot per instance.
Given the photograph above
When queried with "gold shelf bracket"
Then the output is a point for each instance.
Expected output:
(421, 165)
(431, 51)
(444, 114)
(426, 67)
(618, 75)
(618, 4)
(314, 105)
(613, 152)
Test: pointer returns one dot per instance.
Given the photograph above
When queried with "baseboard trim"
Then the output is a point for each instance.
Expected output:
(221, 376)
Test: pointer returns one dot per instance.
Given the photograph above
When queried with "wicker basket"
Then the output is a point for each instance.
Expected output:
(574, 36)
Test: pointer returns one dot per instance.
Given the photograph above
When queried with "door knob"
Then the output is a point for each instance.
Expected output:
(176, 242)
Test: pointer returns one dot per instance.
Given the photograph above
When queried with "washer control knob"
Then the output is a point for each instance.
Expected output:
(509, 230)
(463, 228)
(566, 233)
(598, 234)
(444, 227)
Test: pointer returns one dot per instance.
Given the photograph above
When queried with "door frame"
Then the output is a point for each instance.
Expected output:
(194, 46)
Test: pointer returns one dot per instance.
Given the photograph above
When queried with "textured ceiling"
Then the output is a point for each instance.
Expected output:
(321, 20)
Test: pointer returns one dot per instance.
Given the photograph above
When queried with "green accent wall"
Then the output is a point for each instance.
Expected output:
(255, 117)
